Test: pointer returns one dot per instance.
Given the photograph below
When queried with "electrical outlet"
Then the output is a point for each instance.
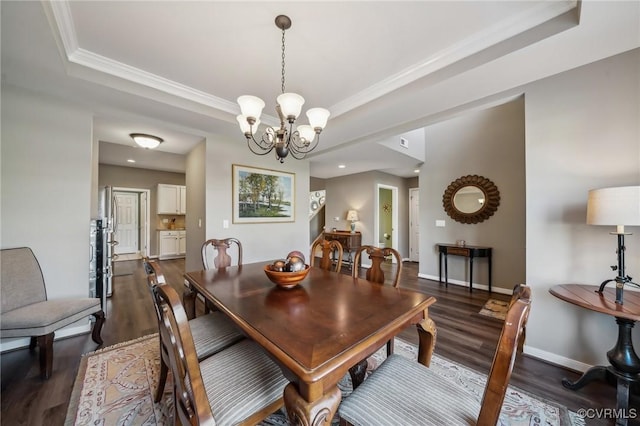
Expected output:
(336, 219)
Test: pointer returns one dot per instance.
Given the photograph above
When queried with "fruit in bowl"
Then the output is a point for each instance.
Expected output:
(284, 278)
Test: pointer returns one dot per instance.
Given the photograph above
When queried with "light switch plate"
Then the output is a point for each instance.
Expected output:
(225, 224)
(440, 223)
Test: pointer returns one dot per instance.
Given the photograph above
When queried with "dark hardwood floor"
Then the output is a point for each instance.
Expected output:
(463, 336)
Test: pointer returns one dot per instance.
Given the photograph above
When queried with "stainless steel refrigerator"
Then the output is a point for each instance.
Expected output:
(103, 229)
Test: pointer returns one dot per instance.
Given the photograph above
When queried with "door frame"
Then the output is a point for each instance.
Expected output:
(412, 223)
(145, 216)
(394, 216)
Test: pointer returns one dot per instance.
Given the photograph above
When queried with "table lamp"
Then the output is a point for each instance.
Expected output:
(618, 206)
(352, 215)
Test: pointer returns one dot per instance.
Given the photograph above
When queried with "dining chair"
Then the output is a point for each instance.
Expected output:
(27, 310)
(214, 253)
(211, 333)
(406, 392)
(375, 272)
(328, 247)
(240, 385)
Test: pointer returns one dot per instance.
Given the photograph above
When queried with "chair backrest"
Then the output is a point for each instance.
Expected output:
(222, 259)
(21, 280)
(327, 247)
(377, 256)
(191, 402)
(505, 356)
(154, 277)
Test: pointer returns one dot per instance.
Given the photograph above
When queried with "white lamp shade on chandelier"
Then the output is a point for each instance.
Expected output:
(285, 140)
(618, 206)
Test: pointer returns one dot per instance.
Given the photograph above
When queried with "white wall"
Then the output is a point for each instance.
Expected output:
(264, 241)
(582, 132)
(46, 187)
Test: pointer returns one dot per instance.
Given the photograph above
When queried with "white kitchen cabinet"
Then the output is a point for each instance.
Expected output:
(172, 199)
(182, 243)
(172, 244)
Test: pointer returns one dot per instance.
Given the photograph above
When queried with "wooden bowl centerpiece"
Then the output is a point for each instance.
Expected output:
(286, 279)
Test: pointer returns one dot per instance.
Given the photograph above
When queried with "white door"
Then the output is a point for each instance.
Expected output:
(127, 234)
(414, 224)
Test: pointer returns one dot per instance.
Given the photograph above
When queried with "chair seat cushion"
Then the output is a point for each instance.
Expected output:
(212, 333)
(46, 317)
(404, 392)
(240, 381)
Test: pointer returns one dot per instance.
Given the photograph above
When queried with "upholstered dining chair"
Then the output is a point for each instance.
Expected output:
(406, 392)
(375, 272)
(327, 247)
(211, 333)
(240, 385)
(27, 311)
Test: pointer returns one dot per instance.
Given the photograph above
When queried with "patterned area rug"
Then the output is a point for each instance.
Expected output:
(115, 386)
(495, 308)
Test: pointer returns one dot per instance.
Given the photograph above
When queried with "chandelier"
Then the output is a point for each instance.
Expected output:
(284, 139)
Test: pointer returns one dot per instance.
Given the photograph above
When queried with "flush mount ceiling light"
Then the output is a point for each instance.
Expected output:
(146, 141)
(288, 105)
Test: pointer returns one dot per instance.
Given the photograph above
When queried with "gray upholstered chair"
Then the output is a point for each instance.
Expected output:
(405, 392)
(27, 312)
(239, 385)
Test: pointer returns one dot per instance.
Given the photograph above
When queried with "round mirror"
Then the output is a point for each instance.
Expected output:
(471, 199)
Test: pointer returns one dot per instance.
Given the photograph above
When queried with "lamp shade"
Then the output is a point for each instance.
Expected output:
(352, 215)
(251, 106)
(318, 117)
(618, 206)
(290, 104)
(245, 127)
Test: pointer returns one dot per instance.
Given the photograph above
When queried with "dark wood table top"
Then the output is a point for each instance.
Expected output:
(587, 296)
(319, 329)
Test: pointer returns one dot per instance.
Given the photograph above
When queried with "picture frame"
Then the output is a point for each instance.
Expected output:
(262, 195)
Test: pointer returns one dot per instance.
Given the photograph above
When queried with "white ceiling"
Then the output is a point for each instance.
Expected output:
(383, 69)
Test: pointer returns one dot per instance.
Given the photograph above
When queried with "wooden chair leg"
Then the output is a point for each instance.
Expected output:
(97, 327)
(33, 343)
(162, 380)
(357, 373)
(390, 347)
(46, 355)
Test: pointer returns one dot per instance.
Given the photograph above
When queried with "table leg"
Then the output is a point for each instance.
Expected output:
(318, 412)
(489, 256)
(358, 372)
(594, 373)
(471, 272)
(440, 267)
(446, 270)
(189, 302)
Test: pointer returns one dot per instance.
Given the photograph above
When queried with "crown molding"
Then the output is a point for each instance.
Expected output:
(466, 48)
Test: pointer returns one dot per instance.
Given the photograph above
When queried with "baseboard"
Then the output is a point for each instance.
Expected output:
(10, 344)
(494, 289)
(555, 359)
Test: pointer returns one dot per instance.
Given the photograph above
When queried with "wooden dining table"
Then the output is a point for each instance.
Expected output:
(317, 331)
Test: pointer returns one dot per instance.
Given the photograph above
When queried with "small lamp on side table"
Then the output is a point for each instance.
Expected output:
(352, 215)
(618, 207)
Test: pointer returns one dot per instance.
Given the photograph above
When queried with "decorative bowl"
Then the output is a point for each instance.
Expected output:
(286, 279)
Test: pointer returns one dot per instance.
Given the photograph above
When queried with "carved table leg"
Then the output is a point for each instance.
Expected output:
(427, 333)
(319, 412)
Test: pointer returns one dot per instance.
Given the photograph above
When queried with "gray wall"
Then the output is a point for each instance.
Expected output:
(582, 133)
(130, 177)
(196, 215)
(358, 191)
(46, 188)
(489, 143)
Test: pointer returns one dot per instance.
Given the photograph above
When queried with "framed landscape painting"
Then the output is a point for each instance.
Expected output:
(262, 195)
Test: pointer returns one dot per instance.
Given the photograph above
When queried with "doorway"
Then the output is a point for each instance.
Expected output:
(386, 217)
(133, 220)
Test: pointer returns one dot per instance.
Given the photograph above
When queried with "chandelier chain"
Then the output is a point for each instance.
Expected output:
(283, 60)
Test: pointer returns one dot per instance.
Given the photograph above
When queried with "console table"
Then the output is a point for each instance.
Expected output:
(349, 241)
(466, 251)
(624, 363)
